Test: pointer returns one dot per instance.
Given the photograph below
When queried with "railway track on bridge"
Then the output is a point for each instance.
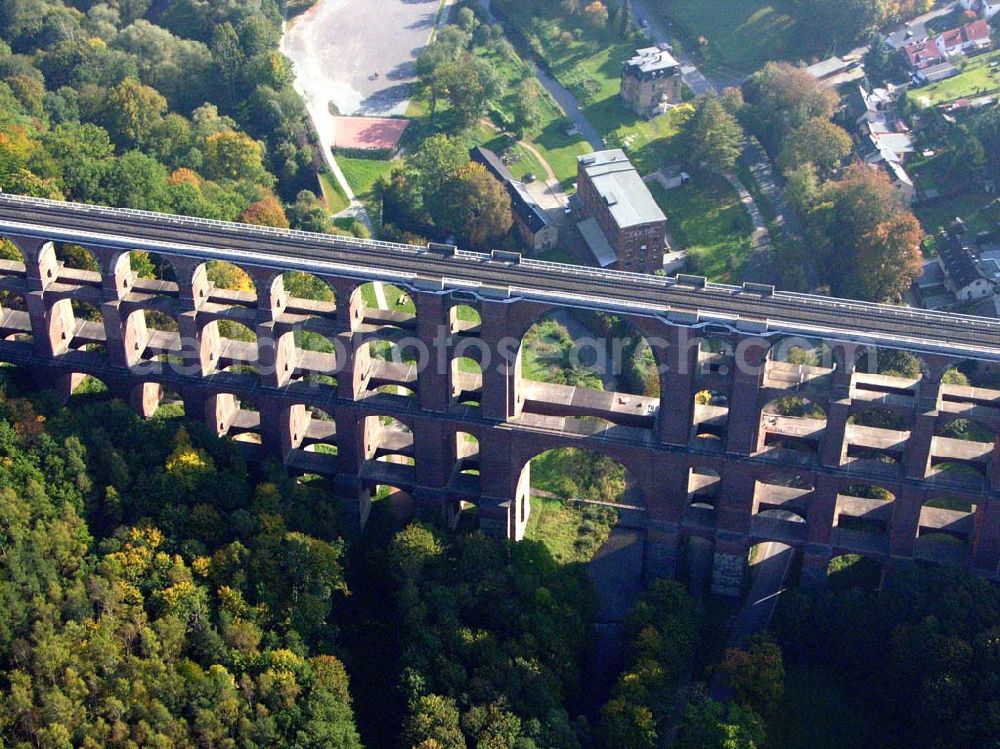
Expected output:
(702, 303)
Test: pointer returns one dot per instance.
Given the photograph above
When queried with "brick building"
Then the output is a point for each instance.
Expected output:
(649, 78)
(613, 196)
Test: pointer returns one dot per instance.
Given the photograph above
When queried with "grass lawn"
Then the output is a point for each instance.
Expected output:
(706, 218)
(976, 78)
(362, 174)
(569, 532)
(739, 35)
(816, 714)
(336, 200)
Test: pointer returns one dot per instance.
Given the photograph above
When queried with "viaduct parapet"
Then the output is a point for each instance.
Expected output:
(851, 460)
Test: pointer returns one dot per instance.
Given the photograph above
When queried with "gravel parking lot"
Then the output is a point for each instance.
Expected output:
(338, 46)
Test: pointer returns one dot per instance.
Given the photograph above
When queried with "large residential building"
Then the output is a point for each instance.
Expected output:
(649, 79)
(619, 210)
(532, 222)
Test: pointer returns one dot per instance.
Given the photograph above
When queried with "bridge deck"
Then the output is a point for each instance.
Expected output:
(782, 312)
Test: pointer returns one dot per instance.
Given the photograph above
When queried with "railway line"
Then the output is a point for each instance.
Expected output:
(689, 299)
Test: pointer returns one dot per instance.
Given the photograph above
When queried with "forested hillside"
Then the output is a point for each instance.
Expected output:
(176, 105)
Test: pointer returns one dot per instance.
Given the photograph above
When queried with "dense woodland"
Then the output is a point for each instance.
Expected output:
(181, 106)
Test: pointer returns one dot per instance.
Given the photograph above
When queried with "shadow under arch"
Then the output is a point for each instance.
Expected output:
(586, 365)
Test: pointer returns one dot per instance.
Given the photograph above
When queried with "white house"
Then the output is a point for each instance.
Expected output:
(986, 8)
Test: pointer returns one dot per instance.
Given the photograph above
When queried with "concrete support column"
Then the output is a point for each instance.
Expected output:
(820, 515)
(432, 446)
(220, 410)
(661, 555)
(193, 285)
(502, 371)
(276, 426)
(917, 458)
(40, 264)
(145, 398)
(678, 387)
(729, 564)
(749, 362)
(835, 435)
(434, 378)
(993, 468)
(905, 521)
(504, 502)
(276, 354)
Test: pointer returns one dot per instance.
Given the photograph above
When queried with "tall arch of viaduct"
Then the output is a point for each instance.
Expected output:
(725, 467)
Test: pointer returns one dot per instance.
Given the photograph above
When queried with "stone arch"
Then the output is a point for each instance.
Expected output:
(466, 381)
(302, 293)
(594, 358)
(855, 570)
(863, 514)
(464, 319)
(716, 356)
(77, 257)
(76, 325)
(710, 421)
(84, 385)
(229, 346)
(783, 490)
(382, 303)
(15, 323)
(235, 416)
(703, 489)
(792, 422)
(152, 399)
(946, 530)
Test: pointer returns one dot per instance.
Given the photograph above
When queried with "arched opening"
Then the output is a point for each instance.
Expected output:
(962, 450)
(715, 357)
(153, 335)
(464, 319)
(466, 381)
(225, 276)
(780, 505)
(571, 498)
(586, 365)
(76, 257)
(863, 517)
(76, 325)
(234, 417)
(316, 357)
(883, 374)
(387, 365)
(301, 287)
(847, 571)
(703, 489)
(711, 419)
(794, 423)
(388, 440)
(946, 530)
(85, 387)
(309, 439)
(152, 400)
(232, 347)
(467, 456)
(15, 323)
(379, 303)
(797, 363)
(772, 565)
(877, 437)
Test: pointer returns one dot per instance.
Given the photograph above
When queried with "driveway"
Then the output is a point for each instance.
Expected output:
(657, 33)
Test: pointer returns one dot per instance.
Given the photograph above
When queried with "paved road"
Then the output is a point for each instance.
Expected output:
(658, 34)
(571, 107)
(758, 268)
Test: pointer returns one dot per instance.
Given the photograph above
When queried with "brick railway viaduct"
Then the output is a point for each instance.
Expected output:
(724, 467)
